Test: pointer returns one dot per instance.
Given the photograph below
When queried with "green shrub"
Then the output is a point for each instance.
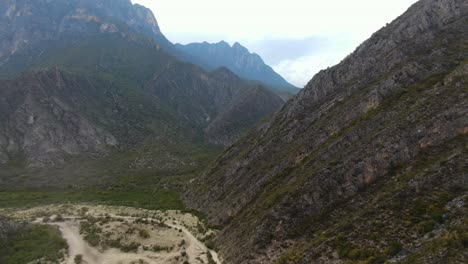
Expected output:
(132, 247)
(78, 259)
(143, 233)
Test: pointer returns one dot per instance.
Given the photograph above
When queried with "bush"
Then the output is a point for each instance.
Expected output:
(132, 247)
(143, 233)
(79, 259)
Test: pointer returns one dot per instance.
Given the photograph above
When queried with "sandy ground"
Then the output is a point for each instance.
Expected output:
(177, 228)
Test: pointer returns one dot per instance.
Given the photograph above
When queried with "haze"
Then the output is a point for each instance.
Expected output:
(297, 38)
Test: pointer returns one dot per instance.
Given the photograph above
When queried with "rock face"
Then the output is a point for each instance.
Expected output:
(42, 119)
(376, 141)
(239, 60)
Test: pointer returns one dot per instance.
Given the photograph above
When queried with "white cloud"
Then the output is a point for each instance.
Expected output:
(253, 23)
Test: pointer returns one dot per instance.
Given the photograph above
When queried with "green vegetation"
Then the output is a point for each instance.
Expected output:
(132, 247)
(388, 224)
(35, 242)
(90, 232)
(449, 246)
(154, 200)
(78, 259)
(143, 233)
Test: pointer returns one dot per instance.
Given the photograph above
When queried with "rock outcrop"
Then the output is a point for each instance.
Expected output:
(43, 119)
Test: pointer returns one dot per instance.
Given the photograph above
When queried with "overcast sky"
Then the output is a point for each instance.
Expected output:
(297, 38)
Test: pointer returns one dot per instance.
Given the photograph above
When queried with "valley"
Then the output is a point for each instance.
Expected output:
(118, 146)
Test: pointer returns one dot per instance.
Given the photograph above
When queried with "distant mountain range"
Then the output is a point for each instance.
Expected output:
(238, 59)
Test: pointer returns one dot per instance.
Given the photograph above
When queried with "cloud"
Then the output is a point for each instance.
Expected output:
(275, 51)
(300, 71)
(296, 37)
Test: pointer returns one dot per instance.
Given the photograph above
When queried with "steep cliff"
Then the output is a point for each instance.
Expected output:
(365, 164)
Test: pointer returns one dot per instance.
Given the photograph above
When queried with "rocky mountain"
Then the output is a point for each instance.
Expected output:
(220, 102)
(26, 23)
(90, 80)
(238, 59)
(367, 164)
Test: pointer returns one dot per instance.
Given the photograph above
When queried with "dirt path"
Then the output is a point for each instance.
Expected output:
(78, 246)
(195, 244)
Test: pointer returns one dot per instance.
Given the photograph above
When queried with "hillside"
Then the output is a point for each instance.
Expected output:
(93, 89)
(366, 164)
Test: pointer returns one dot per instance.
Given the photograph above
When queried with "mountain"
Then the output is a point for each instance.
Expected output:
(26, 23)
(238, 59)
(367, 164)
(90, 82)
(220, 102)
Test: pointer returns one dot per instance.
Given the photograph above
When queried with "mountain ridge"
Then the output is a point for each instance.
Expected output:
(355, 126)
(239, 60)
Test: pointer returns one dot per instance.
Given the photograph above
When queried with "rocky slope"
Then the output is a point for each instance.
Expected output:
(239, 60)
(367, 163)
(224, 105)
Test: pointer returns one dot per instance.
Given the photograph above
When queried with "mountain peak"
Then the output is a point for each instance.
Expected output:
(237, 46)
(223, 44)
(239, 60)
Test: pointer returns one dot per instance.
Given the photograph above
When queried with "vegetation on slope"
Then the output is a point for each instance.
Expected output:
(32, 243)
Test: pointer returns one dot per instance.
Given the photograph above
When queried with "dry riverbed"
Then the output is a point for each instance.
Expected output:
(124, 235)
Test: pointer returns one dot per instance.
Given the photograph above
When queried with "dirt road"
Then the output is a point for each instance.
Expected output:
(90, 255)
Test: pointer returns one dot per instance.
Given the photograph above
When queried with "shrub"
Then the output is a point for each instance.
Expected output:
(132, 247)
(78, 259)
(143, 233)
(35, 242)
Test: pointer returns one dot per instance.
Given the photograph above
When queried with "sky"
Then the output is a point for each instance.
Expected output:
(297, 38)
